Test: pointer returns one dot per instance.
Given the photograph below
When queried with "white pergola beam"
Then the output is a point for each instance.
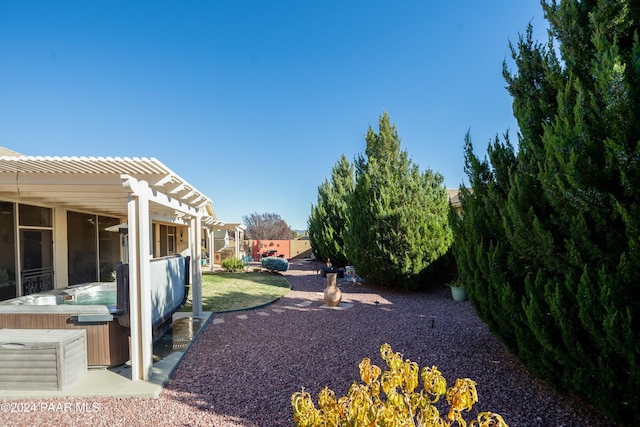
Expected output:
(164, 180)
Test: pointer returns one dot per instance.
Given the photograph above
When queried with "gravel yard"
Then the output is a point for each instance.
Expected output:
(244, 366)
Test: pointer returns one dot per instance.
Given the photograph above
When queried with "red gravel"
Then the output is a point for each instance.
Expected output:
(242, 372)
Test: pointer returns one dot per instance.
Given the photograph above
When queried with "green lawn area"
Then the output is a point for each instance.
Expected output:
(236, 291)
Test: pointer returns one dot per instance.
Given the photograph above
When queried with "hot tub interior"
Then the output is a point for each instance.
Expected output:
(98, 293)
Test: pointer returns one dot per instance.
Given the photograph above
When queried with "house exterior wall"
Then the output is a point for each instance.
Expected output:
(60, 247)
(182, 242)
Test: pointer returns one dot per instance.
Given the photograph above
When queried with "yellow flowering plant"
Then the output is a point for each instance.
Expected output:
(403, 403)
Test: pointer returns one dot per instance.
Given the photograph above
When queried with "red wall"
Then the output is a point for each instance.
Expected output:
(260, 246)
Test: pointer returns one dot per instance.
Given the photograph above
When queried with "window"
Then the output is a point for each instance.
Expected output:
(92, 250)
(167, 240)
(35, 216)
(108, 248)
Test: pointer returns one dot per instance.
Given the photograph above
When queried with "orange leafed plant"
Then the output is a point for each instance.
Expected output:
(393, 398)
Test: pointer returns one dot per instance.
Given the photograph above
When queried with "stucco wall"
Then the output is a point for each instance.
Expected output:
(300, 248)
(261, 246)
(288, 248)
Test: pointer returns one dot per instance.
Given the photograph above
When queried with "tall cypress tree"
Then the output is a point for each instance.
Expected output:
(329, 218)
(548, 244)
(398, 216)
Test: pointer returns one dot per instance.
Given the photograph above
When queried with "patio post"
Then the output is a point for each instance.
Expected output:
(196, 270)
(139, 279)
(237, 241)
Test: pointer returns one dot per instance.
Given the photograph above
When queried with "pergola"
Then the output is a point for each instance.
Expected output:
(138, 189)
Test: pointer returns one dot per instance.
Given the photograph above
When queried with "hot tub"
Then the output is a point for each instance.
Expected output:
(101, 310)
(90, 306)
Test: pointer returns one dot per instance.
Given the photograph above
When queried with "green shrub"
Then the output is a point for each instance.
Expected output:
(273, 263)
(329, 218)
(404, 405)
(547, 245)
(398, 216)
(232, 264)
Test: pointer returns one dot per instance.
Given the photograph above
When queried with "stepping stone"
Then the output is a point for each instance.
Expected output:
(277, 310)
(341, 306)
(218, 320)
(243, 317)
(295, 307)
(304, 303)
(262, 313)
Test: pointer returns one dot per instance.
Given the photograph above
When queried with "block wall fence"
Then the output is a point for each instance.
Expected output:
(289, 249)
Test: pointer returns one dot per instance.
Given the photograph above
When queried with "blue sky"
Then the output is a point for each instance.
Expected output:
(253, 102)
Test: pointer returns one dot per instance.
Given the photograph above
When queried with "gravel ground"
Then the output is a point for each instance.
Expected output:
(244, 366)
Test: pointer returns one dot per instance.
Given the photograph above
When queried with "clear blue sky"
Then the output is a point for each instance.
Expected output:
(253, 102)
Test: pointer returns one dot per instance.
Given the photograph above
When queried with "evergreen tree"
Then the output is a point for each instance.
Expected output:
(548, 242)
(329, 218)
(398, 216)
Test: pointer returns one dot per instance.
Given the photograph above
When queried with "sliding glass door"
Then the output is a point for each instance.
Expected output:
(7, 251)
(36, 249)
(37, 260)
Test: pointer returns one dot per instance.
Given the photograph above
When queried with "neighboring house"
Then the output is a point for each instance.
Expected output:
(454, 199)
(220, 239)
(69, 220)
(227, 242)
